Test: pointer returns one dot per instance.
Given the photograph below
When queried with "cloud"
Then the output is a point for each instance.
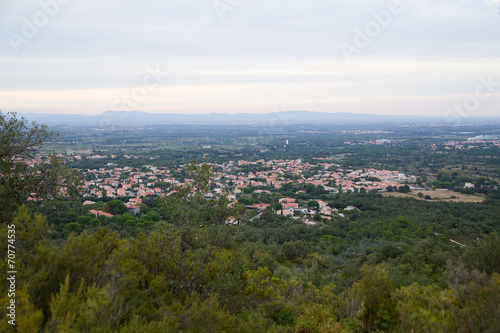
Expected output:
(263, 52)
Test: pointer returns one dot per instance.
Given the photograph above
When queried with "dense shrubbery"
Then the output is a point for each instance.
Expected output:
(389, 267)
(216, 278)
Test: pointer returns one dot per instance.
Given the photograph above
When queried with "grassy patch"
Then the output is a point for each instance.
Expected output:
(438, 195)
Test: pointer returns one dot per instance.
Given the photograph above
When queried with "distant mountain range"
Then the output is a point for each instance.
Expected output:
(278, 119)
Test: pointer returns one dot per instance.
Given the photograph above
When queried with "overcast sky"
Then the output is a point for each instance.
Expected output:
(408, 57)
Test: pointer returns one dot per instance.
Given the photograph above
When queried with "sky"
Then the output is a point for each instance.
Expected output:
(388, 57)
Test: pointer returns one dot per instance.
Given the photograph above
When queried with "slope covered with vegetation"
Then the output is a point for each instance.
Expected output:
(396, 265)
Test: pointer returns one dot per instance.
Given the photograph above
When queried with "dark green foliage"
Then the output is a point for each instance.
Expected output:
(484, 255)
(19, 140)
(404, 189)
(214, 277)
(117, 207)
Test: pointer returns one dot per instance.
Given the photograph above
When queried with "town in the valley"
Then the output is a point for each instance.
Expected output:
(294, 178)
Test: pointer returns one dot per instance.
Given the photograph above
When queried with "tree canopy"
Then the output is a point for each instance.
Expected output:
(20, 175)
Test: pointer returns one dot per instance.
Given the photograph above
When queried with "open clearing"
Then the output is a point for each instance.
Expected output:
(438, 196)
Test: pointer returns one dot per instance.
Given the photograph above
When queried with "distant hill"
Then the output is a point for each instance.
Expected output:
(278, 119)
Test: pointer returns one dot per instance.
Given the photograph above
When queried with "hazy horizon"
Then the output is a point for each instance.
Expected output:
(276, 111)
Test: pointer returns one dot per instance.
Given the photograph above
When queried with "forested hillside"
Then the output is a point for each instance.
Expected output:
(390, 265)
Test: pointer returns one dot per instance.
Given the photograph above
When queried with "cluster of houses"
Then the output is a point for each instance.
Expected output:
(231, 180)
(289, 207)
(235, 178)
(274, 174)
(371, 142)
(332, 177)
(470, 143)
